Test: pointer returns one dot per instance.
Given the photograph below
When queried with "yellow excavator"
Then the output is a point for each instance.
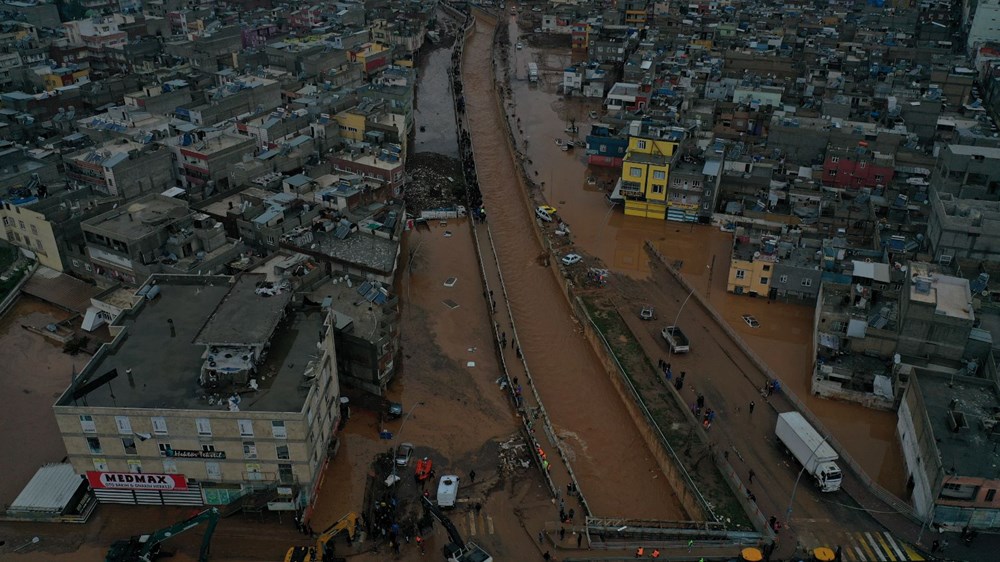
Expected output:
(323, 551)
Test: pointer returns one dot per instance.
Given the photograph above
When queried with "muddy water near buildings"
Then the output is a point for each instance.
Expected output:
(433, 110)
(35, 372)
(783, 341)
(581, 401)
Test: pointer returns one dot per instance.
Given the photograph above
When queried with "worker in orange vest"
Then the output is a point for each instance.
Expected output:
(639, 552)
(656, 553)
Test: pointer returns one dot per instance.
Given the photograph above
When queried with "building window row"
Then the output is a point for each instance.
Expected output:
(203, 425)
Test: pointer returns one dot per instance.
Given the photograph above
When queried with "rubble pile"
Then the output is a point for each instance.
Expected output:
(435, 182)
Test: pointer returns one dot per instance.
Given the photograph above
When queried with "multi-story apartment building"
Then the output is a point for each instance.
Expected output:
(156, 234)
(213, 386)
(645, 173)
(122, 168)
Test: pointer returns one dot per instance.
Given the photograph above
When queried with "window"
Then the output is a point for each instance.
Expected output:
(767, 268)
(204, 426)
(95, 445)
(657, 188)
(124, 425)
(213, 471)
(135, 466)
(282, 451)
(169, 466)
(764, 280)
(741, 274)
(278, 429)
(129, 445)
(640, 144)
(635, 172)
(659, 174)
(833, 173)
(208, 448)
(285, 474)
(990, 494)
(783, 279)
(246, 428)
(249, 450)
(159, 425)
(835, 159)
(878, 178)
(165, 450)
(34, 230)
(862, 165)
(807, 282)
(88, 425)
(101, 465)
(22, 225)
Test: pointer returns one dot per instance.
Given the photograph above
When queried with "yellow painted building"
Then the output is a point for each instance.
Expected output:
(750, 276)
(352, 124)
(32, 231)
(645, 172)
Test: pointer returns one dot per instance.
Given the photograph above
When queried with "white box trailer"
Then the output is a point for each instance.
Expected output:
(810, 449)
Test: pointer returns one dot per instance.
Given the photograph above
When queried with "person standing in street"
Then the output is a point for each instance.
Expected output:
(472, 476)
(752, 404)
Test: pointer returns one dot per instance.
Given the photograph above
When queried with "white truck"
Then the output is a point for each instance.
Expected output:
(810, 449)
(532, 72)
(676, 339)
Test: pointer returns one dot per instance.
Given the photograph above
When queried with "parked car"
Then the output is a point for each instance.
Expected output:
(570, 259)
(751, 321)
(403, 454)
(519, 45)
(647, 313)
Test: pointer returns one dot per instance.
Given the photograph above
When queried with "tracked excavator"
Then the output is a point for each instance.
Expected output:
(457, 550)
(146, 548)
(323, 551)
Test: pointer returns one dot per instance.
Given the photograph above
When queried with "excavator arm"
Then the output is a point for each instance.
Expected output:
(449, 527)
(144, 548)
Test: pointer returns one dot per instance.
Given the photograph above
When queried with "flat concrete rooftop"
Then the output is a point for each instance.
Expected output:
(139, 218)
(970, 451)
(166, 362)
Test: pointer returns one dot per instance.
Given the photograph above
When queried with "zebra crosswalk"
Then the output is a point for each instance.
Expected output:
(472, 524)
(862, 546)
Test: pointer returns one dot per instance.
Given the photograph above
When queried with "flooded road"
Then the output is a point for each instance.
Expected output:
(583, 405)
(605, 232)
(36, 371)
(433, 110)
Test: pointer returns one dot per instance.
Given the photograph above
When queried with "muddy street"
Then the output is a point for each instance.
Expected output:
(702, 252)
(580, 399)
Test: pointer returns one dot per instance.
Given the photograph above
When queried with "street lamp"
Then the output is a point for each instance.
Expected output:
(670, 348)
(788, 512)
(395, 448)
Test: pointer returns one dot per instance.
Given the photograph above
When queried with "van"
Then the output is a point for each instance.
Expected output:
(447, 491)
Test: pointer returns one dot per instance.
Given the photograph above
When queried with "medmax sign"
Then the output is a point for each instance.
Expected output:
(131, 481)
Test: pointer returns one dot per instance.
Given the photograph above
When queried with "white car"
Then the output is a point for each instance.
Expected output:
(519, 45)
(544, 213)
(570, 259)
(536, 9)
(751, 321)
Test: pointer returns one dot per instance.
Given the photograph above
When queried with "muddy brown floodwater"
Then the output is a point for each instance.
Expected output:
(615, 469)
(783, 341)
(433, 110)
(35, 371)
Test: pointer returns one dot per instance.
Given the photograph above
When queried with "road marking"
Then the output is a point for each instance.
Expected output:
(489, 523)
(878, 551)
(895, 548)
(472, 523)
(860, 538)
(912, 554)
(885, 547)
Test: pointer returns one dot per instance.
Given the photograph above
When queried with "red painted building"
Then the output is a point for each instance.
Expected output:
(858, 166)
